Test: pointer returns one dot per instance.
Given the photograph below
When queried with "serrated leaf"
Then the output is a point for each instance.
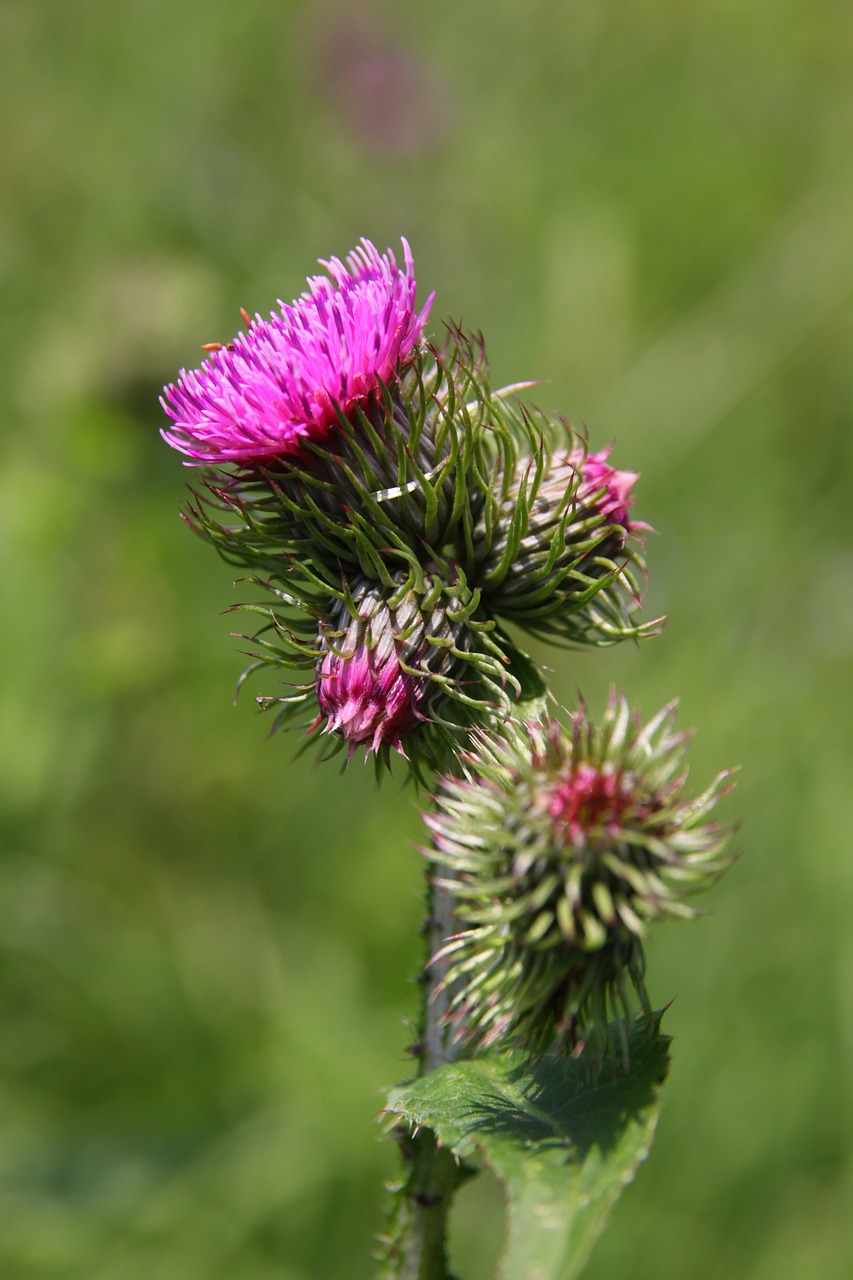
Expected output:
(562, 1140)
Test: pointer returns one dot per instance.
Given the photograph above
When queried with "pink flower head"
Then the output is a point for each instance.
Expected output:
(367, 697)
(590, 802)
(285, 379)
(604, 487)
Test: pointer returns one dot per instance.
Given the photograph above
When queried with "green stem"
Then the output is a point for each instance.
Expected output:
(436, 1046)
(415, 1246)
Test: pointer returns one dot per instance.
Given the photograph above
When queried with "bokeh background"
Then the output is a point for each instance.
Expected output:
(206, 946)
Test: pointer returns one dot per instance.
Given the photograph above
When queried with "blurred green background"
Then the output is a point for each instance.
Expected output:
(206, 947)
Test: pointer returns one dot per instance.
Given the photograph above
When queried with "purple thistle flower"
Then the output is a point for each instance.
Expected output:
(406, 665)
(368, 684)
(285, 380)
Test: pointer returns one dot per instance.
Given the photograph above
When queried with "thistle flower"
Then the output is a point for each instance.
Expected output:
(553, 547)
(286, 380)
(404, 664)
(559, 848)
(373, 677)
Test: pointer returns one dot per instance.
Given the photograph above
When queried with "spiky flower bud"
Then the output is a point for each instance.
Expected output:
(402, 663)
(557, 556)
(559, 848)
(380, 657)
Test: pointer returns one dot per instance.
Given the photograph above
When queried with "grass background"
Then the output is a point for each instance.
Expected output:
(206, 948)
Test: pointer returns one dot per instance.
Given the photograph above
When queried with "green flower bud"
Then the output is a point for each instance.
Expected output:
(405, 664)
(559, 848)
(555, 550)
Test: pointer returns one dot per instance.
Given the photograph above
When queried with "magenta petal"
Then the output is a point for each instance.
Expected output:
(283, 381)
(368, 698)
(610, 489)
(589, 801)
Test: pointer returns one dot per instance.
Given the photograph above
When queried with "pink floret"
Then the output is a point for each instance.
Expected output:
(590, 802)
(608, 489)
(285, 379)
(368, 698)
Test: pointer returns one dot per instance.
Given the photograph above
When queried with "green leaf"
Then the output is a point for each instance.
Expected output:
(563, 1140)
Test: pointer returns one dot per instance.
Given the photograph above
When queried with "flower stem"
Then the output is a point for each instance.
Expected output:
(436, 1045)
(415, 1246)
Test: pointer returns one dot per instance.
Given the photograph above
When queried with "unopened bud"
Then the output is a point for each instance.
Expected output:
(559, 849)
(404, 667)
(559, 558)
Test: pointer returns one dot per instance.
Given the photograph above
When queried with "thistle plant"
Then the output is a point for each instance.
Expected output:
(390, 515)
